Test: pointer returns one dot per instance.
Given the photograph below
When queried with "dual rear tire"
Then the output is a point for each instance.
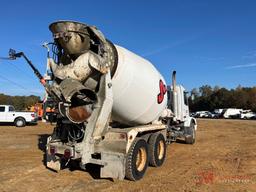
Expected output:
(157, 149)
(142, 154)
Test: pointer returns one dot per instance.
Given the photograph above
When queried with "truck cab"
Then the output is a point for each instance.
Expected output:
(6, 113)
(178, 102)
(181, 125)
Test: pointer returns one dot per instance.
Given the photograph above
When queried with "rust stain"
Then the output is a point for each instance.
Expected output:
(79, 114)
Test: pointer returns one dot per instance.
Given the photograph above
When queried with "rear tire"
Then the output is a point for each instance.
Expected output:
(137, 160)
(157, 149)
(20, 122)
(191, 135)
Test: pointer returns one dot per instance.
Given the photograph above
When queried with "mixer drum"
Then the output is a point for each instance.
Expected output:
(139, 90)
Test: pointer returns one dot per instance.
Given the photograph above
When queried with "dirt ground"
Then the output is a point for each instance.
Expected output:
(222, 159)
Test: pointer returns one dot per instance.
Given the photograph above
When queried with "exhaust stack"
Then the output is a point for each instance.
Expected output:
(175, 101)
(174, 80)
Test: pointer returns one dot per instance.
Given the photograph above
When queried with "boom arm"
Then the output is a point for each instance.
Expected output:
(13, 55)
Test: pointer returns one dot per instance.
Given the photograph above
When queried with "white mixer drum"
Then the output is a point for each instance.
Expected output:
(139, 90)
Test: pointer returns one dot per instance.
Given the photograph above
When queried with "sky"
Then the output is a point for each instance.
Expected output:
(209, 42)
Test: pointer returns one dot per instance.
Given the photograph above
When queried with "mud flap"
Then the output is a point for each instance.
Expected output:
(115, 166)
(188, 138)
(53, 162)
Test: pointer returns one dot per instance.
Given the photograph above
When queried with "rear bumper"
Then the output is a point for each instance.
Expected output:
(34, 121)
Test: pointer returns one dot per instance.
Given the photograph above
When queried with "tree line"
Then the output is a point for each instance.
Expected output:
(207, 98)
(19, 102)
(204, 98)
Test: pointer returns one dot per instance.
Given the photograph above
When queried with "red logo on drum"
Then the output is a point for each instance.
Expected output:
(163, 90)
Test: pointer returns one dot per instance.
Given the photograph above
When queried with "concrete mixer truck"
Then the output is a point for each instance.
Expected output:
(115, 109)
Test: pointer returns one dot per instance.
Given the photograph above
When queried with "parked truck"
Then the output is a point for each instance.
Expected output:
(231, 113)
(20, 119)
(115, 108)
(247, 114)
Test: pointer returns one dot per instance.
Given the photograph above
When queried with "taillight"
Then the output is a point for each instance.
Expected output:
(67, 154)
(32, 115)
(52, 150)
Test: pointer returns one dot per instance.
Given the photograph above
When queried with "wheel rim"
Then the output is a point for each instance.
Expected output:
(141, 159)
(19, 122)
(160, 149)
